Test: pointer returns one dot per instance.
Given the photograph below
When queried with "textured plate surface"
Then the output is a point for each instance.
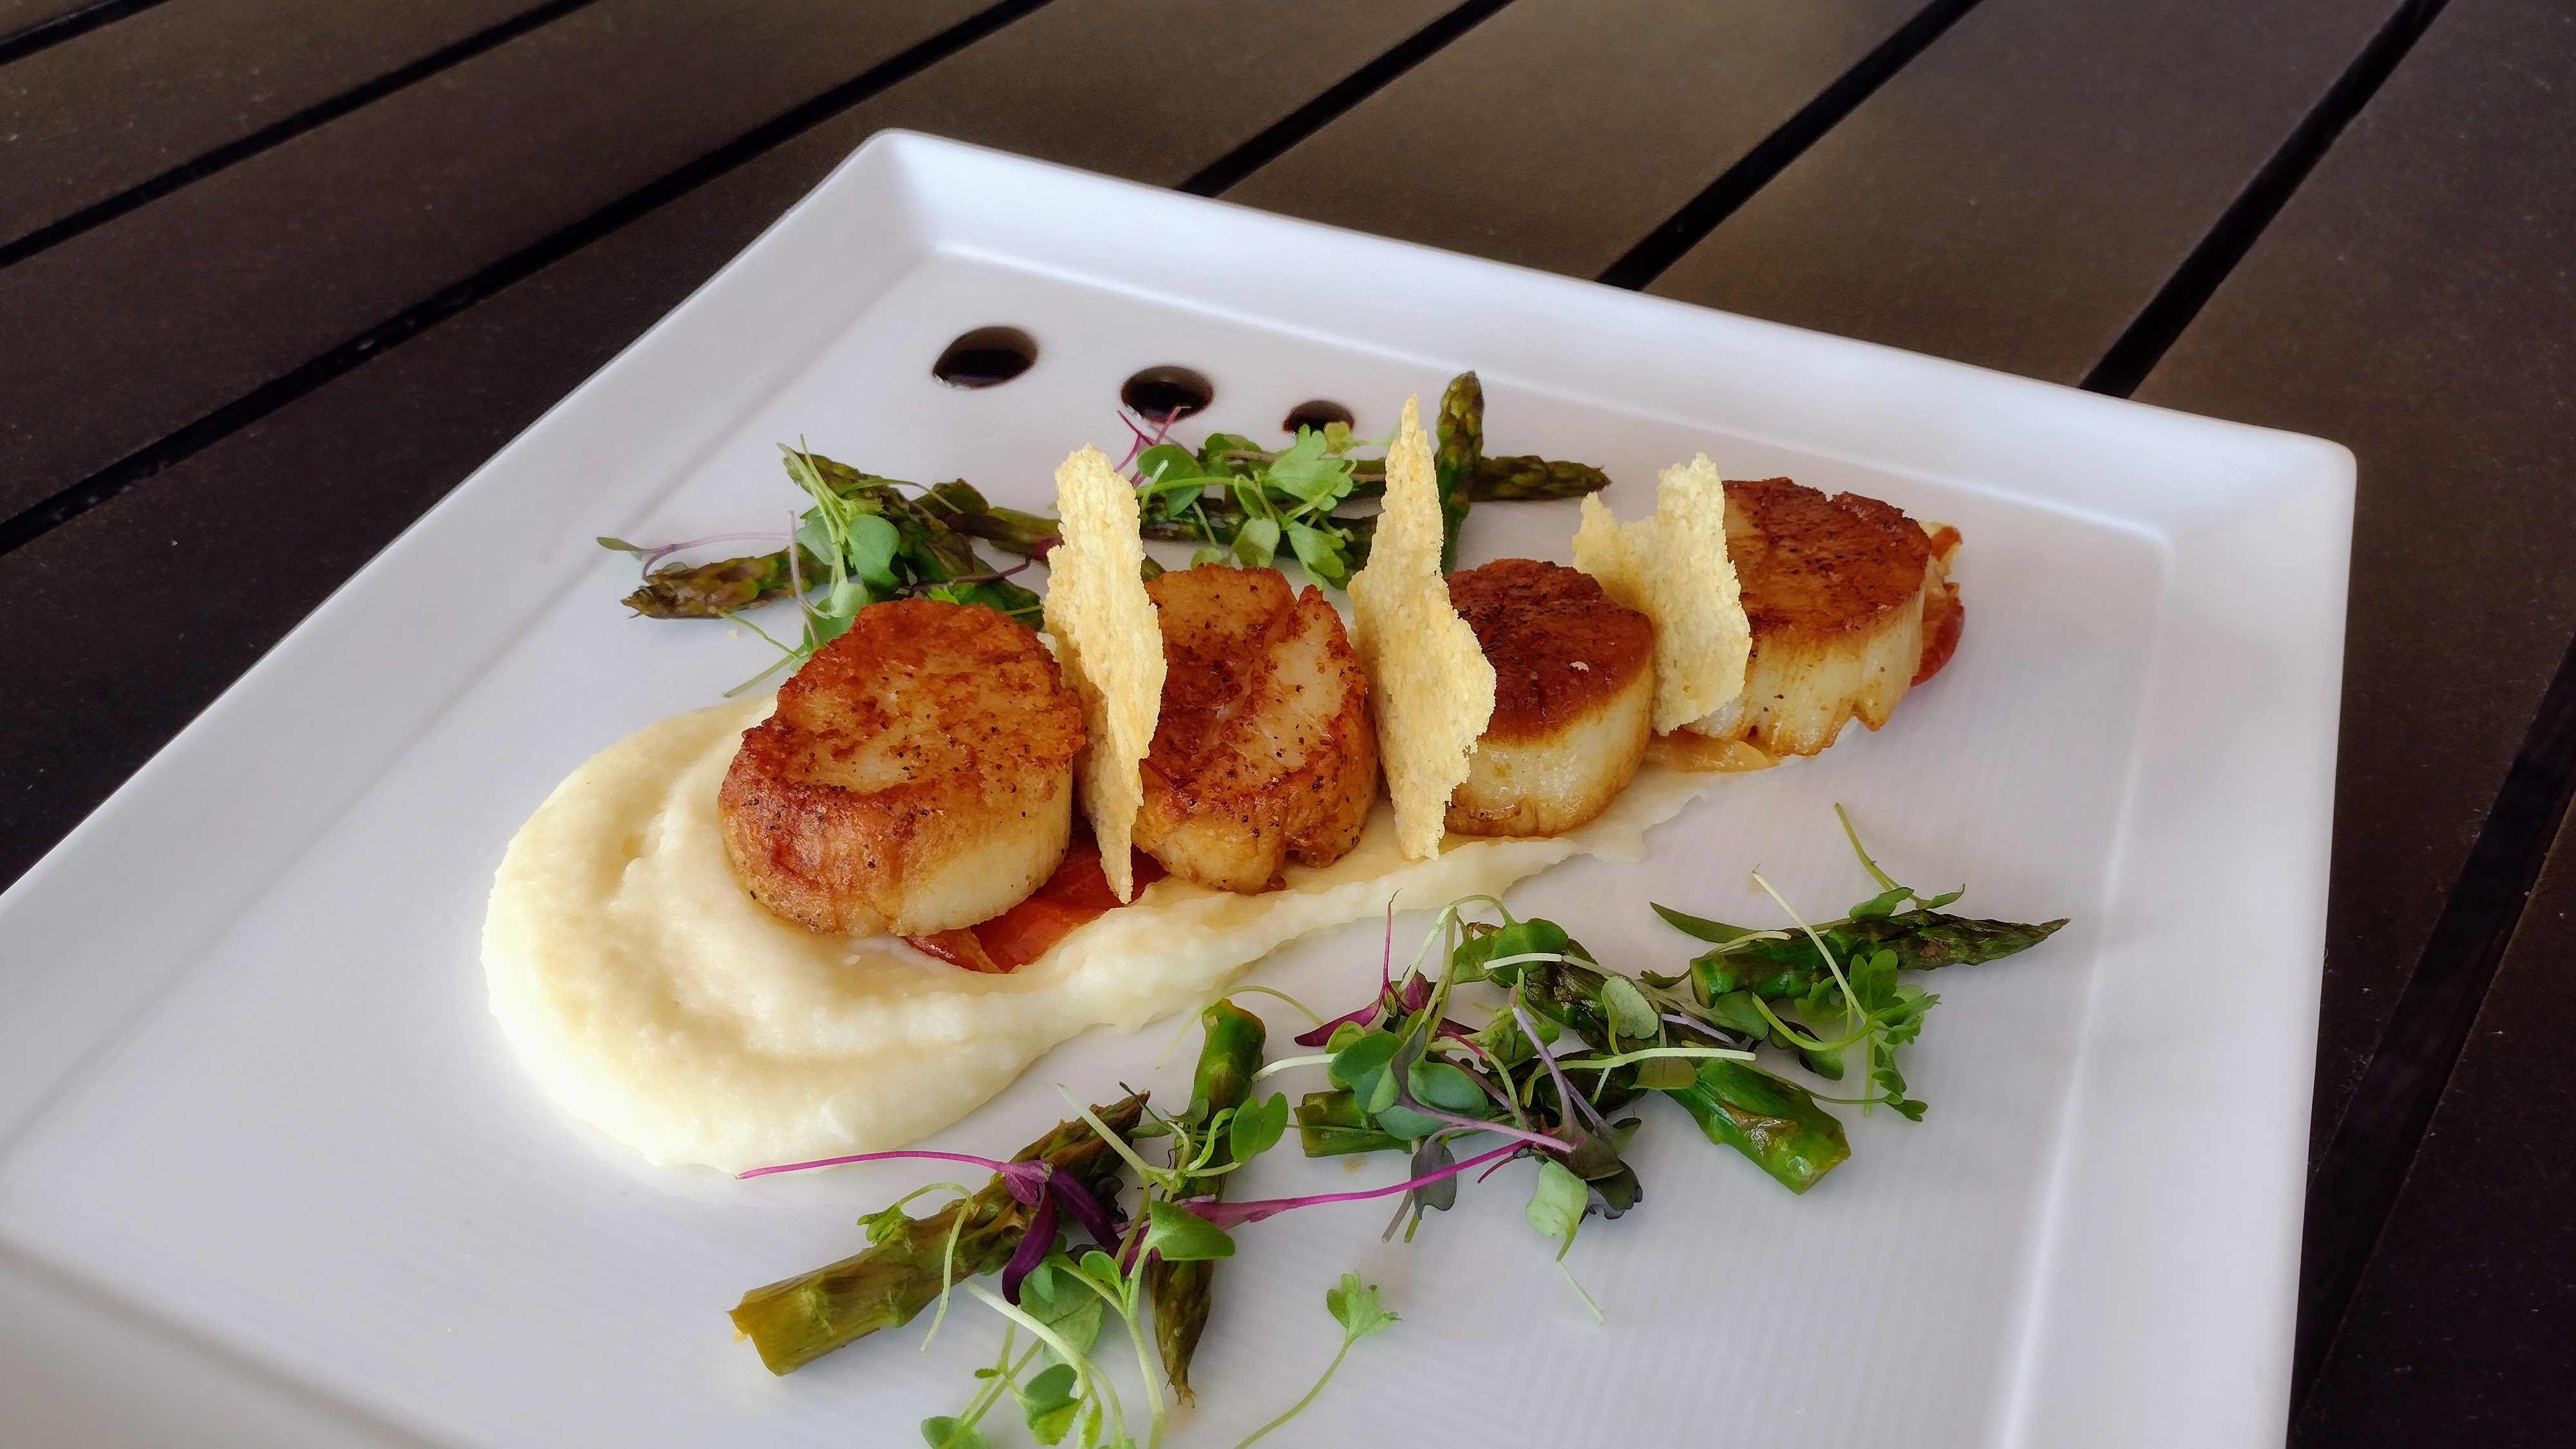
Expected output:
(253, 1113)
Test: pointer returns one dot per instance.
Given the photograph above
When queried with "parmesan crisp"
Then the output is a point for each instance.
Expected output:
(1432, 688)
(1110, 643)
(1673, 568)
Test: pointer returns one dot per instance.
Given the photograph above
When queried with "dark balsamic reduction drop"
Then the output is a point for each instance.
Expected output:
(1315, 414)
(1167, 394)
(985, 357)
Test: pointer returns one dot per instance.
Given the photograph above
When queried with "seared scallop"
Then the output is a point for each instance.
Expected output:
(1265, 752)
(1834, 589)
(1574, 697)
(917, 775)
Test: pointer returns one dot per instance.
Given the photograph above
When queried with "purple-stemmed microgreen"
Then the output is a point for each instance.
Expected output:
(1023, 1178)
(1565, 1092)
(1231, 1215)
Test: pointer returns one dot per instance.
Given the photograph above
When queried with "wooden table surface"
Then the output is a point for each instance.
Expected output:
(277, 274)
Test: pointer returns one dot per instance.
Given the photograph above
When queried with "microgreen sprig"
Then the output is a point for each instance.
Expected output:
(1357, 1308)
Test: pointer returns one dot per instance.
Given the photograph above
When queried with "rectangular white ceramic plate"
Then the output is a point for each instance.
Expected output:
(268, 1171)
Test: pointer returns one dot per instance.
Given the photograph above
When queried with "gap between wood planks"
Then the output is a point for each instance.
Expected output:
(232, 153)
(1275, 140)
(2144, 342)
(2354, 1190)
(193, 438)
(45, 34)
(1700, 215)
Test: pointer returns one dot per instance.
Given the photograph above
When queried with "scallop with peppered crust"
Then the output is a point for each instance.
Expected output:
(1835, 591)
(1574, 697)
(1264, 752)
(917, 775)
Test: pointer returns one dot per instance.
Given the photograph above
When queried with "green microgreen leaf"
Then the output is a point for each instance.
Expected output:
(1882, 904)
(1473, 959)
(1048, 1402)
(1213, 461)
(1169, 463)
(1102, 1269)
(1442, 1085)
(1308, 474)
(1257, 542)
(1182, 1236)
(1740, 1011)
(1556, 1206)
(1629, 1014)
(1359, 1063)
(1053, 1295)
(1320, 551)
(1708, 930)
(1257, 1127)
(944, 1432)
(872, 545)
(1357, 1306)
(886, 1224)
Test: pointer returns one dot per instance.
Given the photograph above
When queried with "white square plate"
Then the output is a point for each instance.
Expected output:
(268, 1169)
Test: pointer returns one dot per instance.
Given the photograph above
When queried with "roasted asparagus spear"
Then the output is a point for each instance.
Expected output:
(797, 1320)
(1227, 1062)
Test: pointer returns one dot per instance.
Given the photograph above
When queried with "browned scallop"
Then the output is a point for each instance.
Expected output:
(1574, 694)
(1265, 752)
(1834, 589)
(916, 777)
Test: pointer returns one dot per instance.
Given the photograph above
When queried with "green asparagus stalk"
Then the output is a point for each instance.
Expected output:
(710, 590)
(1923, 940)
(1182, 1291)
(1775, 1122)
(1522, 476)
(797, 1320)
(1028, 535)
(1462, 440)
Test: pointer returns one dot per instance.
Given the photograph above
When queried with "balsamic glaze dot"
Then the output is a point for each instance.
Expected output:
(985, 357)
(1167, 394)
(1315, 414)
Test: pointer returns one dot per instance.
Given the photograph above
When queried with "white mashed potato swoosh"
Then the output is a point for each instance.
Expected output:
(657, 1001)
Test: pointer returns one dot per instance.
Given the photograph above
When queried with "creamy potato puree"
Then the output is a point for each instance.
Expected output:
(658, 1001)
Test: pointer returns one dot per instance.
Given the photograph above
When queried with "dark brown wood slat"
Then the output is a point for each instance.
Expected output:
(1092, 83)
(1560, 131)
(129, 331)
(2414, 302)
(143, 325)
(2019, 192)
(2461, 1330)
(38, 23)
(89, 118)
(254, 532)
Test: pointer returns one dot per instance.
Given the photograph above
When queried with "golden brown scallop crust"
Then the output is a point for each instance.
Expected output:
(1265, 751)
(1559, 646)
(1821, 565)
(916, 776)
(1835, 591)
(1574, 692)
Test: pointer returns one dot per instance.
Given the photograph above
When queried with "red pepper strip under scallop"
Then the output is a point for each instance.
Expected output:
(1078, 893)
(1944, 616)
